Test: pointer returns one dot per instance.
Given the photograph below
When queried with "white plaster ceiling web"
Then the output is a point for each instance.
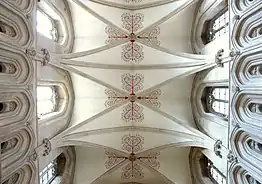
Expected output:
(128, 106)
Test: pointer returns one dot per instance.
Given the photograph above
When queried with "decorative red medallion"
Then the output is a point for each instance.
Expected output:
(132, 144)
(132, 83)
(132, 52)
(151, 36)
(114, 35)
(113, 159)
(132, 22)
(132, 170)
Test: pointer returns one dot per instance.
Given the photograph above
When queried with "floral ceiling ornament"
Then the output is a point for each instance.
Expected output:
(132, 83)
(113, 159)
(132, 22)
(150, 36)
(114, 98)
(132, 52)
(133, 170)
(132, 143)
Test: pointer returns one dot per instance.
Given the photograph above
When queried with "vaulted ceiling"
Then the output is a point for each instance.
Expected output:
(132, 69)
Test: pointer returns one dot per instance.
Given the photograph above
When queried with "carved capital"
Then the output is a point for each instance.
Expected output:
(235, 89)
(237, 17)
(46, 57)
(217, 148)
(234, 53)
(31, 52)
(218, 58)
(231, 158)
(47, 146)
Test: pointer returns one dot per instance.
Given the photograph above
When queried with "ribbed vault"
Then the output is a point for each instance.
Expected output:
(132, 69)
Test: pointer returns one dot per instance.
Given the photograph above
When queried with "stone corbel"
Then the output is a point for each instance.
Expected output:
(234, 53)
(46, 57)
(217, 148)
(47, 147)
(43, 57)
(31, 52)
(237, 17)
(218, 58)
(231, 158)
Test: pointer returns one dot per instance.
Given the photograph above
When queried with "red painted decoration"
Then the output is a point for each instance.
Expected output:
(152, 98)
(113, 159)
(132, 52)
(132, 144)
(132, 22)
(132, 112)
(132, 82)
(151, 36)
(114, 98)
(132, 171)
(151, 160)
(114, 35)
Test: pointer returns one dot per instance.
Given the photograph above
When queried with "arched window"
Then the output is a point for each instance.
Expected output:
(47, 100)
(216, 100)
(216, 27)
(215, 175)
(49, 173)
(53, 172)
(46, 25)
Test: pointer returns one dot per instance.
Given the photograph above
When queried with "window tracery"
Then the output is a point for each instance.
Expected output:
(217, 26)
(49, 173)
(47, 100)
(217, 100)
(215, 175)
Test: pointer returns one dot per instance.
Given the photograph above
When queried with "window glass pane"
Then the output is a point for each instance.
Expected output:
(215, 175)
(46, 100)
(48, 174)
(44, 24)
(218, 26)
(217, 101)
